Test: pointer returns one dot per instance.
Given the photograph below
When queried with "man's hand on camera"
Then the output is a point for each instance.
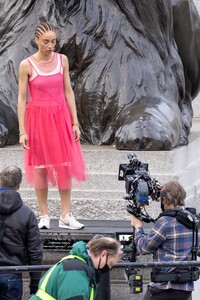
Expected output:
(135, 222)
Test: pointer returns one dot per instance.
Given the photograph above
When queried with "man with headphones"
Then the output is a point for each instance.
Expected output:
(170, 239)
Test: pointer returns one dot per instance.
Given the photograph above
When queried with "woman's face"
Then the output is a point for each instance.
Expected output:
(46, 43)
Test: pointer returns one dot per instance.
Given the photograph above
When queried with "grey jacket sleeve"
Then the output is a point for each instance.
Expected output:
(34, 247)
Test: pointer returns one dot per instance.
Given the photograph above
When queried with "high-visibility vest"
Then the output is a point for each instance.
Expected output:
(41, 290)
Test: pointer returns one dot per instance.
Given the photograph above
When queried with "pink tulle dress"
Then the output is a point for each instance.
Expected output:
(54, 157)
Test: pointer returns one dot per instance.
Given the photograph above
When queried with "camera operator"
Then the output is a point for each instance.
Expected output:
(168, 240)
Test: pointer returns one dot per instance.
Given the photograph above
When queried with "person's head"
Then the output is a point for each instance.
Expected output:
(105, 252)
(11, 177)
(172, 195)
(45, 38)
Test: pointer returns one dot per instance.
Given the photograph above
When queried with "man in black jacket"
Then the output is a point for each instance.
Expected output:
(20, 241)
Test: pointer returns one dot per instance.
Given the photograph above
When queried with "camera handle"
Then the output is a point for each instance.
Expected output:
(134, 250)
(134, 280)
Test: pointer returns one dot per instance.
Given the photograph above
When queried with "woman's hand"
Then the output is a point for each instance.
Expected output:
(23, 140)
(76, 132)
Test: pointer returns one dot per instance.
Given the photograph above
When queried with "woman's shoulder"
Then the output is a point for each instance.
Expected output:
(24, 66)
(64, 58)
(24, 63)
(63, 55)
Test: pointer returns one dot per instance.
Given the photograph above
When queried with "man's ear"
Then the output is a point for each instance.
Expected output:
(103, 253)
(17, 187)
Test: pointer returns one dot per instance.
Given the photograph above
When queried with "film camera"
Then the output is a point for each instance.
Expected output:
(140, 187)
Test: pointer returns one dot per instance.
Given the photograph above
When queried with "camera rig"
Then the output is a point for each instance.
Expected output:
(139, 186)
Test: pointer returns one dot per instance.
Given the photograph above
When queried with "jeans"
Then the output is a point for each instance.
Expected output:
(11, 286)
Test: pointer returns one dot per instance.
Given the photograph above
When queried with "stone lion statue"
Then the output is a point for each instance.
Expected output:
(134, 67)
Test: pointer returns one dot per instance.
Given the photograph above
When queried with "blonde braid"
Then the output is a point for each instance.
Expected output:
(43, 27)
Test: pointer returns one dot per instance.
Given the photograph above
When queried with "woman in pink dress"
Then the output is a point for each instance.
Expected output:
(48, 126)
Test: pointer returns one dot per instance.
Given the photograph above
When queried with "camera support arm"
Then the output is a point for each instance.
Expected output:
(134, 249)
(133, 279)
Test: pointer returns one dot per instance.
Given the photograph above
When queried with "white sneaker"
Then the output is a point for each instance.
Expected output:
(44, 222)
(70, 222)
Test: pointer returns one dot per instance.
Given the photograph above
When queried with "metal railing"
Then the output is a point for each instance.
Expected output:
(39, 268)
(104, 290)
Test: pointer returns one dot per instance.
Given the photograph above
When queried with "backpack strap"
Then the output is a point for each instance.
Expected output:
(42, 294)
(186, 216)
(2, 226)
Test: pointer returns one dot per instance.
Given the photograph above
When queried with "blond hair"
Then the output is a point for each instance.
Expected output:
(111, 245)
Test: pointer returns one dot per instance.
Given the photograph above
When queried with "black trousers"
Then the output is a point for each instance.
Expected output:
(155, 294)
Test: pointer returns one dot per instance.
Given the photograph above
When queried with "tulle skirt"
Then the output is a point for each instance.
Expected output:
(54, 158)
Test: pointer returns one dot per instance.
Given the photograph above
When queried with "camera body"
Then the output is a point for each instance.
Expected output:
(139, 186)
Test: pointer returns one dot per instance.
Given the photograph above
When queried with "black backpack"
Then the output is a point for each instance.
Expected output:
(2, 226)
(186, 216)
(189, 217)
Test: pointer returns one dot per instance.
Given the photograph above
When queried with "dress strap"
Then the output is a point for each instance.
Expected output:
(30, 60)
(60, 62)
(38, 69)
(34, 72)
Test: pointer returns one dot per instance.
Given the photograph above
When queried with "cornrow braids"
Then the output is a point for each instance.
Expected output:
(43, 27)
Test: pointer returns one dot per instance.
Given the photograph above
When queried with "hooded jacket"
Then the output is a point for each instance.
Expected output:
(72, 279)
(21, 243)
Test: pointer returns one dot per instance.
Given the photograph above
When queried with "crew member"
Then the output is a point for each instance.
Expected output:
(168, 240)
(20, 242)
(76, 276)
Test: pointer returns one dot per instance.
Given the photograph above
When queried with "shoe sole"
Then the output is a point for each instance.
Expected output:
(44, 227)
(68, 227)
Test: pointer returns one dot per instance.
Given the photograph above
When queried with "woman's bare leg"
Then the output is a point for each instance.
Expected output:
(65, 197)
(66, 219)
(41, 190)
(42, 195)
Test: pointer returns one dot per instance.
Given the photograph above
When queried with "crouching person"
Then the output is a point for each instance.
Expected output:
(77, 275)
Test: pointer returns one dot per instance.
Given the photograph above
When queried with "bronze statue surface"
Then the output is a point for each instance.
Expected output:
(134, 66)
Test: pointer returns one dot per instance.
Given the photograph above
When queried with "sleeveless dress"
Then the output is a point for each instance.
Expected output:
(48, 124)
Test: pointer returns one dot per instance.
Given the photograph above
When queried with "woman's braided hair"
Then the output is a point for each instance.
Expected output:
(43, 27)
